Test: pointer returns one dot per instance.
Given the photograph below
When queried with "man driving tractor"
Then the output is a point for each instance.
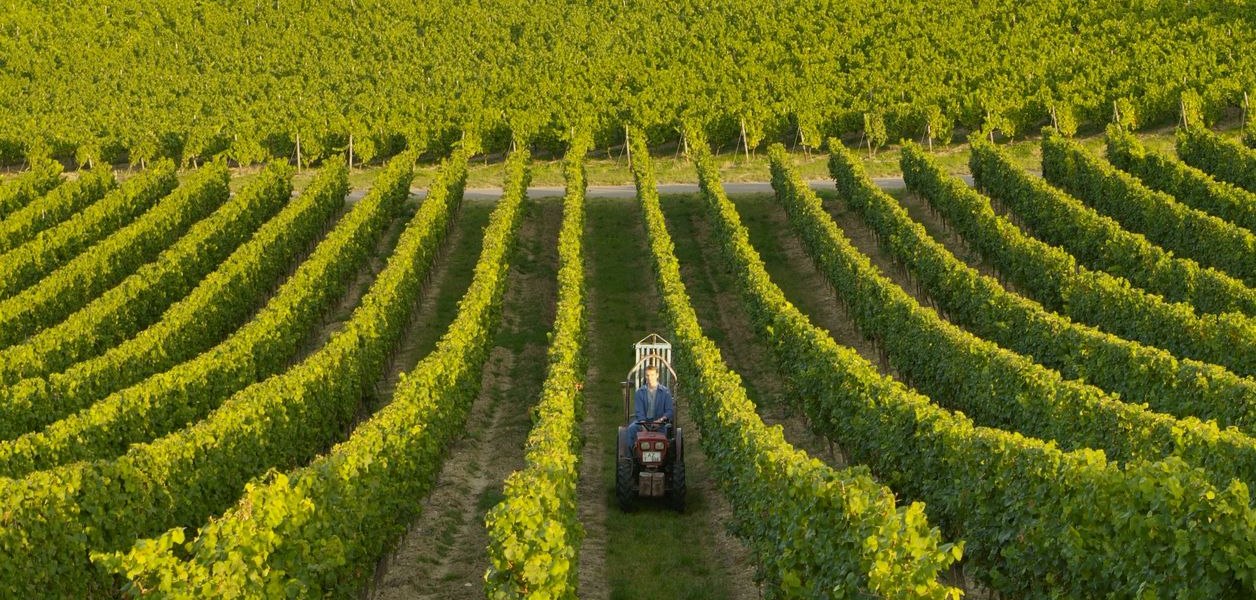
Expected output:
(650, 449)
(652, 403)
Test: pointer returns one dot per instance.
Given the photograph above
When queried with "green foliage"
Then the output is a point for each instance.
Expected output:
(1064, 119)
(966, 373)
(325, 526)
(57, 516)
(937, 127)
(54, 207)
(1038, 522)
(24, 265)
(874, 131)
(100, 320)
(963, 372)
(193, 300)
(262, 347)
(1179, 387)
(15, 193)
(1188, 185)
(1111, 304)
(1165, 221)
(534, 532)
(1124, 114)
(814, 531)
(104, 265)
(194, 80)
(1099, 242)
(1224, 159)
(1192, 109)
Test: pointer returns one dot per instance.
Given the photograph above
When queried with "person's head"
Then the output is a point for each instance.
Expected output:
(652, 376)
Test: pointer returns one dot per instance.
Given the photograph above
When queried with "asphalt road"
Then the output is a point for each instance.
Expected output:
(629, 191)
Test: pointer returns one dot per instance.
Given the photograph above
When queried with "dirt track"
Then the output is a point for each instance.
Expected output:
(444, 555)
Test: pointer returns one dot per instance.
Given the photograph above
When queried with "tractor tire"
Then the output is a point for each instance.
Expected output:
(677, 498)
(624, 489)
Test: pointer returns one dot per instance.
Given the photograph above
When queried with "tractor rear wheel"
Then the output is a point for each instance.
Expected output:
(624, 490)
(677, 498)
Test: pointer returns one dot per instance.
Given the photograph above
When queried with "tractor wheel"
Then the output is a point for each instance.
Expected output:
(624, 490)
(677, 498)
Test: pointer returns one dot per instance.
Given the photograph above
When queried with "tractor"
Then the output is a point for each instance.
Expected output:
(653, 466)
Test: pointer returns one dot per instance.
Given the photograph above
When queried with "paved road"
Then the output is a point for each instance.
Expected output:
(629, 191)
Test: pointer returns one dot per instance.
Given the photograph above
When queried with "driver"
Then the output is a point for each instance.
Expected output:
(652, 403)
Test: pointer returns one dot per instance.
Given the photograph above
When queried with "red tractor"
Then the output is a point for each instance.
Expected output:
(653, 466)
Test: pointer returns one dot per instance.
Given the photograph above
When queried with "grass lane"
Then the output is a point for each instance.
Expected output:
(652, 552)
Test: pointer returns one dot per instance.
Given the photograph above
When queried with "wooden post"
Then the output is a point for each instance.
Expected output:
(627, 146)
(298, 152)
(745, 143)
(350, 151)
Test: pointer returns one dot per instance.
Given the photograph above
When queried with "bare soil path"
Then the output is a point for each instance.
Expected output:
(444, 554)
(437, 306)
